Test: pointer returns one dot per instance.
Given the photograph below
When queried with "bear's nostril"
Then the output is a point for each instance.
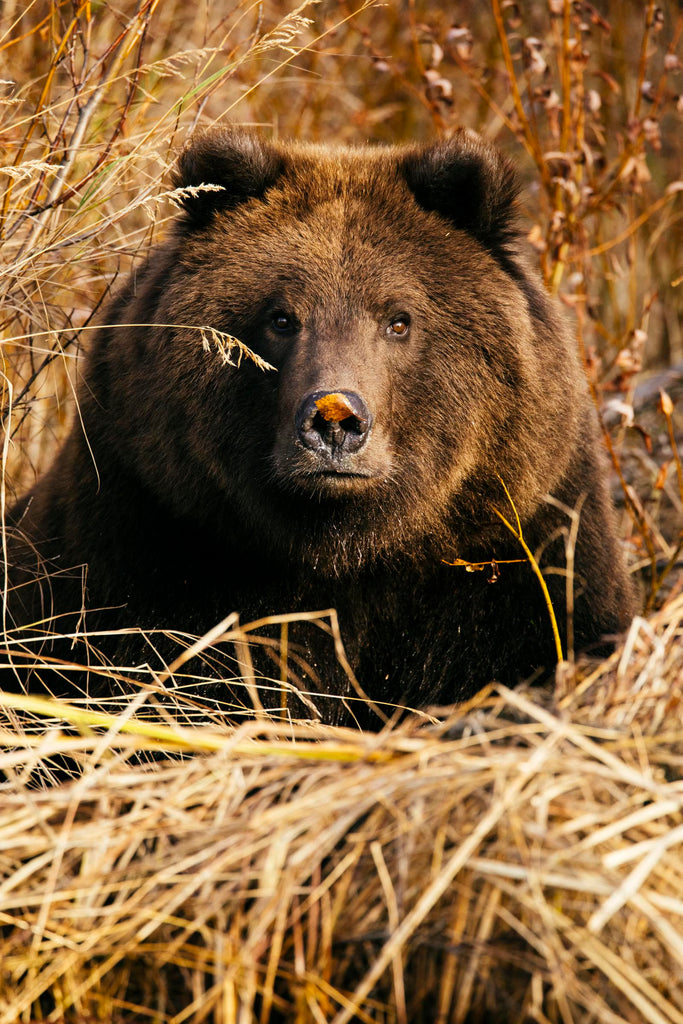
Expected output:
(353, 425)
(338, 428)
(333, 422)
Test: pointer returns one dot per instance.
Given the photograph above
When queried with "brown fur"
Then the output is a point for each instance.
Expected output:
(193, 495)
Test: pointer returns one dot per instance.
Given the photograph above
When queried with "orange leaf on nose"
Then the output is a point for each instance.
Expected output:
(334, 407)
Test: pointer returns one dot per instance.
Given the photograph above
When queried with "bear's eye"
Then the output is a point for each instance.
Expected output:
(282, 322)
(399, 326)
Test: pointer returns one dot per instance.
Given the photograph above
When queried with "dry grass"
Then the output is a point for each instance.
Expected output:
(516, 860)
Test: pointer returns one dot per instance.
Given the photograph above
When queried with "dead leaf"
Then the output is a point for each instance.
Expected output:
(334, 407)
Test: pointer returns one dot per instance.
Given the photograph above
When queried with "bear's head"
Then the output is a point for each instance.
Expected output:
(415, 358)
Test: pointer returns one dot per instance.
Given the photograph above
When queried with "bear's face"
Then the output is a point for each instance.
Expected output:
(415, 360)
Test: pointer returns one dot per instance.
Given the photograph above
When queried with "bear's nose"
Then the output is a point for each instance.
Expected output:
(333, 422)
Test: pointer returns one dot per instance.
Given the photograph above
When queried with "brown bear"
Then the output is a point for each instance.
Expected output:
(417, 369)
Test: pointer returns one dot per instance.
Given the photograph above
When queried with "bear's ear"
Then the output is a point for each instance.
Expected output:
(242, 164)
(468, 181)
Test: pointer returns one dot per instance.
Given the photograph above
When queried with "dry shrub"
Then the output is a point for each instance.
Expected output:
(515, 860)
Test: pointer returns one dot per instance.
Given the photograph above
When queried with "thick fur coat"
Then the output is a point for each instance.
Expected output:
(388, 282)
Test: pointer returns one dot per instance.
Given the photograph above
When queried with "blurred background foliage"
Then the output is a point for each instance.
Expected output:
(97, 98)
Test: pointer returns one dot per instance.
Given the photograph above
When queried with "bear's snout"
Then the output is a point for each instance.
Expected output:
(333, 424)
